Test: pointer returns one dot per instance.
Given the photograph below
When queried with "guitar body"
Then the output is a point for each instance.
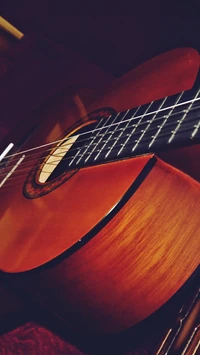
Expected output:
(113, 242)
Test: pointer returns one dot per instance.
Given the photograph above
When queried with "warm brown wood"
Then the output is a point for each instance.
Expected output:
(135, 264)
(159, 77)
(44, 69)
(143, 84)
(145, 253)
(37, 233)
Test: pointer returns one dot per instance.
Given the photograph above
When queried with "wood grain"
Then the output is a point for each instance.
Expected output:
(35, 63)
(132, 266)
(144, 254)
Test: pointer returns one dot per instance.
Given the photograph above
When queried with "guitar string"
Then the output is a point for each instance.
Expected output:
(53, 163)
(130, 119)
(167, 125)
(22, 171)
(187, 126)
(19, 172)
(101, 128)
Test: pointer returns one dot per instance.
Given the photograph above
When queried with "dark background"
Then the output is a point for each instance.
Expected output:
(115, 36)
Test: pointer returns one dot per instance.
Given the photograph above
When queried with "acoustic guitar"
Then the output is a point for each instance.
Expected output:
(94, 224)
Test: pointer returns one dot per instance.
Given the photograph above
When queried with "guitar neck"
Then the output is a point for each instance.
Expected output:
(150, 128)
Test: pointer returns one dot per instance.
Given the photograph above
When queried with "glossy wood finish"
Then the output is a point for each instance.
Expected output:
(144, 254)
(143, 84)
(43, 228)
(134, 264)
(159, 77)
(39, 69)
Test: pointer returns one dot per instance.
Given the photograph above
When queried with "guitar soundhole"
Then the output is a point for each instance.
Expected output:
(54, 169)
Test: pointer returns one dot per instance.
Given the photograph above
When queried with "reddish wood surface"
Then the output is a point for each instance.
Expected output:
(169, 73)
(43, 228)
(31, 72)
(134, 265)
(145, 253)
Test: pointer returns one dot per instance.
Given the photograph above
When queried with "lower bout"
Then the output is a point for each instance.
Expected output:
(133, 265)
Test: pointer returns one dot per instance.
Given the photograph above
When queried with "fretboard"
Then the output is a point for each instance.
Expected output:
(169, 122)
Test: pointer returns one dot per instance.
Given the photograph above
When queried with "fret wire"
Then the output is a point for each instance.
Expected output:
(183, 130)
(123, 130)
(99, 132)
(182, 119)
(195, 130)
(147, 114)
(93, 150)
(153, 112)
(133, 118)
(147, 127)
(165, 120)
(177, 133)
(118, 136)
(142, 123)
(99, 123)
(92, 131)
(144, 140)
(167, 125)
(162, 135)
(57, 155)
(64, 148)
(135, 127)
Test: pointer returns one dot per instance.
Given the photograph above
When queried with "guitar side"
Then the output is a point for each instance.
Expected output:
(146, 252)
